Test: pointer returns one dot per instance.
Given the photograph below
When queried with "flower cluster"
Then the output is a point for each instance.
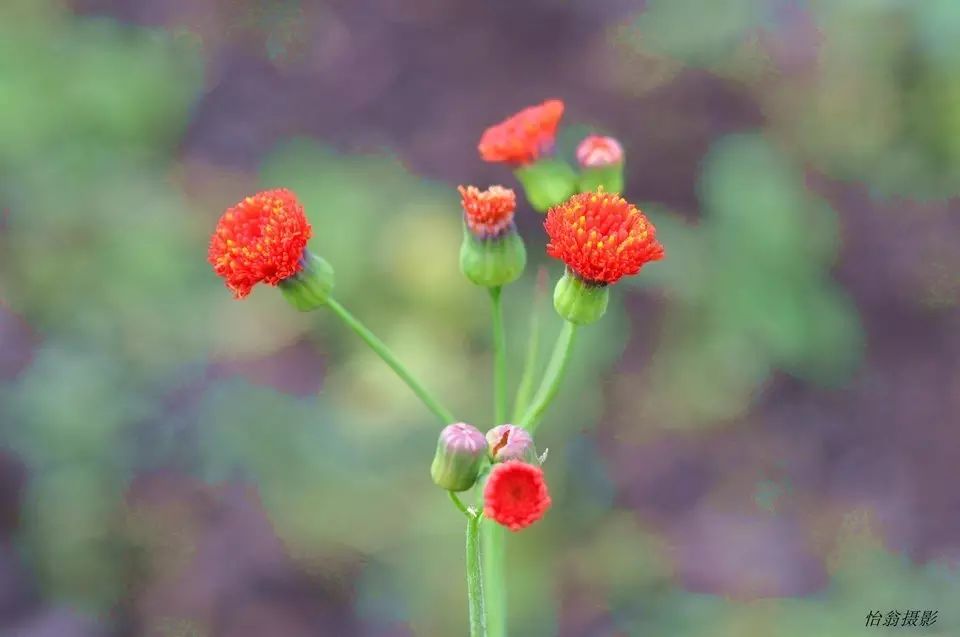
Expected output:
(515, 493)
(601, 237)
(259, 240)
(522, 138)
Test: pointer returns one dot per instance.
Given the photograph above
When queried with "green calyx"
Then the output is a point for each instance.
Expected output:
(492, 262)
(579, 301)
(547, 182)
(311, 286)
(610, 177)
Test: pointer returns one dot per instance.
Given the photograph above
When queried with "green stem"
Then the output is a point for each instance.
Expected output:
(457, 502)
(550, 384)
(478, 620)
(525, 389)
(494, 577)
(499, 359)
(390, 359)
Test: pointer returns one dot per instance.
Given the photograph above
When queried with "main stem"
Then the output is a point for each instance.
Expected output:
(478, 620)
(390, 359)
(552, 378)
(499, 359)
(494, 555)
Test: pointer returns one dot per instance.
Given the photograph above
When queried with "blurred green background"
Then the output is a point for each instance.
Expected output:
(762, 438)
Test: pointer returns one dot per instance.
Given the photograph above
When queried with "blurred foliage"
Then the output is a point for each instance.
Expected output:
(748, 289)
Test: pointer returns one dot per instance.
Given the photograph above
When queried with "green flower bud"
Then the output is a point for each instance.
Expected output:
(492, 262)
(309, 288)
(578, 301)
(547, 182)
(461, 451)
(492, 253)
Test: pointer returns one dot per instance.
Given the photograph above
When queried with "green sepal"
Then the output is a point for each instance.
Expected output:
(492, 262)
(578, 301)
(311, 287)
(547, 182)
(610, 177)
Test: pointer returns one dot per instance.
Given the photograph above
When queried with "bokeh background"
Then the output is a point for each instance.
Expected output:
(762, 438)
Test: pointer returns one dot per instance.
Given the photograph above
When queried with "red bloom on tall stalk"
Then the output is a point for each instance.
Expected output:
(516, 494)
(260, 240)
(489, 212)
(601, 237)
(522, 138)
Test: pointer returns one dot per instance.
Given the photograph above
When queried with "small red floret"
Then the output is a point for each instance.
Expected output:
(516, 494)
(522, 138)
(487, 212)
(259, 240)
(601, 237)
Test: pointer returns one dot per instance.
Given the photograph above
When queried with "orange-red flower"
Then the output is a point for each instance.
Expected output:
(601, 237)
(522, 138)
(596, 151)
(516, 494)
(489, 212)
(259, 240)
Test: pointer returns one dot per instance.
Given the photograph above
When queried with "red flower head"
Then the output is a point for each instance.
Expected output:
(516, 494)
(596, 151)
(489, 212)
(259, 240)
(522, 138)
(601, 237)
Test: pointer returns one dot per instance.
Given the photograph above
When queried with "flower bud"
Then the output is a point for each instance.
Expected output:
(578, 301)
(547, 182)
(601, 161)
(492, 253)
(461, 450)
(310, 287)
(510, 442)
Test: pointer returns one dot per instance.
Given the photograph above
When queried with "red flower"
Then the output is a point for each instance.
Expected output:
(596, 151)
(259, 240)
(522, 138)
(601, 237)
(487, 212)
(516, 494)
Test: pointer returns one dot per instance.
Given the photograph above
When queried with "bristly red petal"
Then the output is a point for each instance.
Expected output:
(259, 240)
(516, 494)
(522, 138)
(601, 237)
(487, 212)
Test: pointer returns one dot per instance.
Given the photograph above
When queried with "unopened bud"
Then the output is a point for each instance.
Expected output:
(601, 159)
(510, 442)
(461, 450)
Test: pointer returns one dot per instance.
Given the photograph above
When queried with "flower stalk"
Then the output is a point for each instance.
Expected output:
(391, 360)
(478, 613)
(552, 378)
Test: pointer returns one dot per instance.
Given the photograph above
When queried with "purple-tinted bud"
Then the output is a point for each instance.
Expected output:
(510, 442)
(601, 162)
(461, 450)
(596, 151)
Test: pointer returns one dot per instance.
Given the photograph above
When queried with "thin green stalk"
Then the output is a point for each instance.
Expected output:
(499, 358)
(478, 619)
(494, 577)
(552, 379)
(457, 502)
(390, 359)
(525, 389)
